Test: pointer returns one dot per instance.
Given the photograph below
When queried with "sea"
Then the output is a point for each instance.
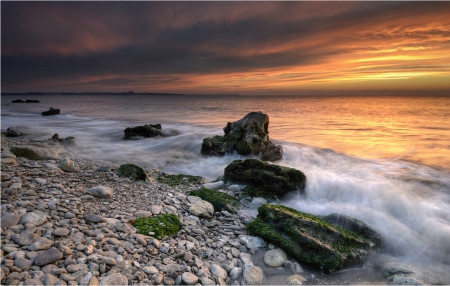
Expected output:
(382, 159)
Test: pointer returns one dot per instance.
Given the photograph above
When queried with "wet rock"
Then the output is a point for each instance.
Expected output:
(101, 192)
(202, 209)
(149, 130)
(132, 171)
(252, 241)
(295, 280)
(293, 267)
(51, 111)
(214, 185)
(275, 257)
(266, 180)
(219, 200)
(13, 132)
(310, 238)
(48, 256)
(39, 151)
(398, 274)
(67, 165)
(249, 135)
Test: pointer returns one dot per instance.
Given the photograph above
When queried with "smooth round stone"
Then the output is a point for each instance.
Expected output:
(295, 280)
(275, 257)
(61, 231)
(114, 279)
(34, 218)
(189, 278)
(253, 275)
(168, 281)
(48, 256)
(202, 209)
(101, 192)
(93, 218)
(9, 220)
(69, 215)
(41, 243)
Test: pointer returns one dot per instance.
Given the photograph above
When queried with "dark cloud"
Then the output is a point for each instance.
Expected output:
(74, 45)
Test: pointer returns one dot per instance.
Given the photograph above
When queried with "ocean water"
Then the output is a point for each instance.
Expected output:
(383, 160)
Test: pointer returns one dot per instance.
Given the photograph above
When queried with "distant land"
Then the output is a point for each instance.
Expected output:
(89, 92)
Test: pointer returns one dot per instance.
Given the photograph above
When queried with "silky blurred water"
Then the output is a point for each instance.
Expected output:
(383, 160)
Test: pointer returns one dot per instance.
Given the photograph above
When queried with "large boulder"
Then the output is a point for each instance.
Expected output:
(132, 171)
(249, 135)
(13, 132)
(40, 151)
(68, 141)
(312, 239)
(267, 180)
(51, 111)
(149, 130)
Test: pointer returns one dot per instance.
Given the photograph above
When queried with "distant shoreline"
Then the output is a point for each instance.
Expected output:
(89, 93)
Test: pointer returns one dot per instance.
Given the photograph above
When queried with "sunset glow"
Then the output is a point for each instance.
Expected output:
(227, 47)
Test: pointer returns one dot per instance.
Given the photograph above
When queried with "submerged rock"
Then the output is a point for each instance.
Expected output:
(249, 135)
(149, 130)
(312, 239)
(51, 111)
(267, 180)
(68, 141)
(13, 132)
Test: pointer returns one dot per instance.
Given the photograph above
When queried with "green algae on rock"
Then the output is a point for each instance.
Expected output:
(150, 130)
(249, 135)
(312, 239)
(160, 225)
(180, 179)
(267, 180)
(219, 200)
(132, 171)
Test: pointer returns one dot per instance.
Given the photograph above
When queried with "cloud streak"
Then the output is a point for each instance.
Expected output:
(241, 47)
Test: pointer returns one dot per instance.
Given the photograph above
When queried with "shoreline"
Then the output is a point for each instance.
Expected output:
(203, 247)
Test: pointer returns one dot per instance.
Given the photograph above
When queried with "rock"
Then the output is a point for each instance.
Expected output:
(23, 263)
(32, 282)
(398, 274)
(311, 238)
(236, 272)
(257, 202)
(39, 151)
(24, 238)
(123, 227)
(41, 243)
(51, 111)
(268, 180)
(168, 281)
(40, 181)
(67, 165)
(9, 161)
(93, 218)
(61, 231)
(35, 218)
(275, 257)
(114, 279)
(48, 256)
(246, 258)
(252, 241)
(295, 280)
(156, 210)
(249, 135)
(202, 209)
(218, 271)
(252, 275)
(31, 101)
(189, 278)
(68, 141)
(142, 213)
(13, 132)
(293, 267)
(101, 192)
(214, 185)
(76, 267)
(9, 219)
(150, 270)
(18, 101)
(132, 171)
(142, 131)
(49, 279)
(219, 200)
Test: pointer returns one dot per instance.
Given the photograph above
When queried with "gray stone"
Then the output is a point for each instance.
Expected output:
(206, 281)
(39, 151)
(93, 218)
(114, 279)
(123, 227)
(35, 218)
(236, 272)
(252, 241)
(32, 282)
(275, 257)
(214, 185)
(61, 231)
(40, 181)
(24, 238)
(49, 279)
(246, 258)
(41, 243)
(218, 271)
(101, 192)
(150, 270)
(23, 263)
(9, 220)
(143, 213)
(257, 202)
(156, 210)
(76, 267)
(202, 209)
(234, 188)
(189, 278)
(67, 165)
(252, 275)
(48, 256)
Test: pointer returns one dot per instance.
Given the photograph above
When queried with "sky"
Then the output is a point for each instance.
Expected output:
(364, 48)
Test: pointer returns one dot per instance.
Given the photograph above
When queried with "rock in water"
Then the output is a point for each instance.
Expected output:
(132, 171)
(312, 239)
(142, 131)
(68, 141)
(249, 135)
(14, 132)
(268, 180)
(51, 111)
(275, 257)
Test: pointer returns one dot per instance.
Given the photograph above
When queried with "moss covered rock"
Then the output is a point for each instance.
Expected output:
(313, 239)
(180, 179)
(267, 180)
(249, 135)
(132, 171)
(161, 225)
(219, 200)
(149, 130)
